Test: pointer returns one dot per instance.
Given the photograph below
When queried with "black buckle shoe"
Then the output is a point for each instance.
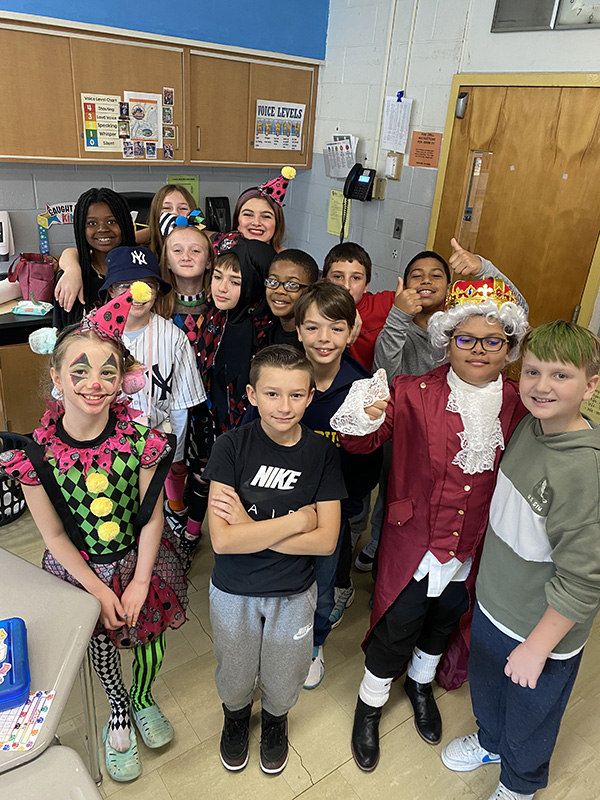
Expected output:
(234, 738)
(428, 721)
(365, 736)
(274, 748)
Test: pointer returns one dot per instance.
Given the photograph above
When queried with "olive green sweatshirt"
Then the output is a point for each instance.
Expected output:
(542, 545)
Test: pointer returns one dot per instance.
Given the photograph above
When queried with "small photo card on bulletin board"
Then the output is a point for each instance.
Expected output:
(168, 96)
(425, 149)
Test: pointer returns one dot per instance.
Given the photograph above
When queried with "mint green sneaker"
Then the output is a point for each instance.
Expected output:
(122, 767)
(155, 728)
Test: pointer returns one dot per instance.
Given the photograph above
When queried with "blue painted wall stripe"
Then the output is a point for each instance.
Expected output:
(294, 27)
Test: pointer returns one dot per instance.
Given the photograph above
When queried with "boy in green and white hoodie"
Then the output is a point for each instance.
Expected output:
(538, 587)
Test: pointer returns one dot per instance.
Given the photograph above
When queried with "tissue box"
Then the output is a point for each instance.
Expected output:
(14, 663)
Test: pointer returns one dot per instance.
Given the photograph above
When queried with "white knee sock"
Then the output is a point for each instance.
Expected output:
(422, 666)
(374, 691)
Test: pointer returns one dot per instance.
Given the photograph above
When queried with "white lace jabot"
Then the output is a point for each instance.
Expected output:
(479, 408)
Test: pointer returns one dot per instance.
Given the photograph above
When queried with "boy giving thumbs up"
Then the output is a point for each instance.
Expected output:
(403, 346)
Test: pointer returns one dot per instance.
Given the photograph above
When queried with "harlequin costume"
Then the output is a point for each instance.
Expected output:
(95, 476)
(94, 488)
(447, 439)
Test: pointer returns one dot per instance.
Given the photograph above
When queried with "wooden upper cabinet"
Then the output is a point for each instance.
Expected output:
(218, 119)
(38, 118)
(283, 83)
(46, 71)
(104, 67)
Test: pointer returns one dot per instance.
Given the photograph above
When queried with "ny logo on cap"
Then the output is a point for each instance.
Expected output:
(138, 257)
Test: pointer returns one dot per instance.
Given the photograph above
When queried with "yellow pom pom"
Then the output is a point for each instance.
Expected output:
(96, 482)
(101, 506)
(140, 292)
(107, 531)
(288, 173)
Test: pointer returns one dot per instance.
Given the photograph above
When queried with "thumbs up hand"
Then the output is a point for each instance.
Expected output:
(407, 300)
(463, 262)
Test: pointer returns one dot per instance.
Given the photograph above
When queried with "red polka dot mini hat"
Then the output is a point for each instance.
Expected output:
(274, 189)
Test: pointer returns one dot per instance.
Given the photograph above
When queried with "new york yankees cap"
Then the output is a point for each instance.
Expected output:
(132, 264)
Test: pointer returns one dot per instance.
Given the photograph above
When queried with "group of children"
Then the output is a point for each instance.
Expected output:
(260, 398)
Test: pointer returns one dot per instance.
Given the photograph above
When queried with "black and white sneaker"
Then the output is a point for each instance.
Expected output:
(186, 549)
(234, 738)
(176, 520)
(274, 749)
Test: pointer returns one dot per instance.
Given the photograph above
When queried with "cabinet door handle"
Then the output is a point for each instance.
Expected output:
(176, 137)
(198, 130)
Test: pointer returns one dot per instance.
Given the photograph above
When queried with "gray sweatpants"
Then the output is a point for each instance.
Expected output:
(270, 637)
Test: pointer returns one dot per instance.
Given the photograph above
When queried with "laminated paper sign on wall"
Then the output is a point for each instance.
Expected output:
(278, 125)
(101, 122)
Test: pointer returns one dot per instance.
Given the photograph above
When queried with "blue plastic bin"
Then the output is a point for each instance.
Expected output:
(15, 679)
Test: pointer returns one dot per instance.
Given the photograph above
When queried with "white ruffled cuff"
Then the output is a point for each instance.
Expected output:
(350, 418)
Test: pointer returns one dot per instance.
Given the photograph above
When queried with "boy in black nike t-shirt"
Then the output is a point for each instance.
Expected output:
(274, 504)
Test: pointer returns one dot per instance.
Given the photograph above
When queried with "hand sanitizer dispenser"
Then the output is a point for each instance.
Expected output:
(7, 247)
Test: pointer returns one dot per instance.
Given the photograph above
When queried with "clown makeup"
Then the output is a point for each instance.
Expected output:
(89, 380)
(110, 369)
(77, 368)
(80, 369)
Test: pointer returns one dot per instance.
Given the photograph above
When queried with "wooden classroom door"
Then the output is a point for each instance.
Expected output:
(522, 188)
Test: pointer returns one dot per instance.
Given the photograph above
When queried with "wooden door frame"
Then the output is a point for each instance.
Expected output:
(541, 79)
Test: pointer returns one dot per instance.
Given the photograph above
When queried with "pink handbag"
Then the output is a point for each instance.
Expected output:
(35, 273)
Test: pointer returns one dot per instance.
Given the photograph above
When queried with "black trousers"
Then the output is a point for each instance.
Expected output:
(415, 620)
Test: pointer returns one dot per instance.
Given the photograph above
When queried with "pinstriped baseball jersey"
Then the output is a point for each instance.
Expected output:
(176, 382)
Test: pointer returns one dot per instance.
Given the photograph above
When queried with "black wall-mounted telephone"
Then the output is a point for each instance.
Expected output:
(359, 183)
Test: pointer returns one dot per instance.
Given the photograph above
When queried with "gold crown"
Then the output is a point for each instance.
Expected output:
(462, 292)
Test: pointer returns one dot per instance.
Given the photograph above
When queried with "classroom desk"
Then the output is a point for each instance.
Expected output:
(60, 619)
(57, 774)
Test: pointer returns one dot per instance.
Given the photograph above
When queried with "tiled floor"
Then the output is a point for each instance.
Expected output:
(320, 765)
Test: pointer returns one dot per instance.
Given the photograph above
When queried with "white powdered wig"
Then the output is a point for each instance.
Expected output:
(442, 324)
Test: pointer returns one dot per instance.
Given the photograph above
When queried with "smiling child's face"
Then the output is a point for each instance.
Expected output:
(281, 301)
(478, 366)
(89, 376)
(102, 231)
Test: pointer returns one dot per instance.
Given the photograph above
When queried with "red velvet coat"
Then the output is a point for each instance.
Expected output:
(431, 503)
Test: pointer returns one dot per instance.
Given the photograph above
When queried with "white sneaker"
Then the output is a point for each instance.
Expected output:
(343, 600)
(317, 669)
(466, 754)
(502, 793)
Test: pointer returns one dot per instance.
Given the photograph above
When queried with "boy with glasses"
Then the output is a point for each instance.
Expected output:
(291, 272)
(448, 429)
